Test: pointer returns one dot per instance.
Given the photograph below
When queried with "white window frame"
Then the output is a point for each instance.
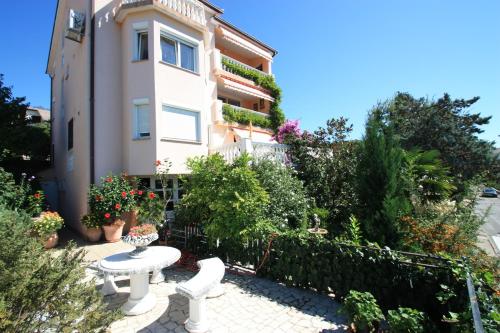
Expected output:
(139, 28)
(166, 137)
(135, 118)
(179, 39)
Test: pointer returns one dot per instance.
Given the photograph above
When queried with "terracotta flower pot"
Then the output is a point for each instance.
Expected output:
(113, 232)
(93, 234)
(51, 241)
(130, 219)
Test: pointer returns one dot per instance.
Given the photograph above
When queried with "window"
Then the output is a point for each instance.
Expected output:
(229, 101)
(70, 134)
(142, 45)
(181, 124)
(141, 119)
(168, 50)
(178, 52)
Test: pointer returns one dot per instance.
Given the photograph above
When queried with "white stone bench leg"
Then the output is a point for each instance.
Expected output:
(157, 276)
(140, 300)
(197, 322)
(109, 287)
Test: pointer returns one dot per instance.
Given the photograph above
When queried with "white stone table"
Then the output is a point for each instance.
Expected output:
(141, 300)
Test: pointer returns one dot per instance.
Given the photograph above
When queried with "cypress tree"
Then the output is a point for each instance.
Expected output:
(379, 183)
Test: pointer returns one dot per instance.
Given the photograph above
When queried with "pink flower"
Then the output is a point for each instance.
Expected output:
(290, 127)
(107, 215)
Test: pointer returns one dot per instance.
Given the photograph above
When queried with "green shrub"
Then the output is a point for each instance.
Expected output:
(288, 203)
(406, 320)
(43, 292)
(362, 310)
(227, 199)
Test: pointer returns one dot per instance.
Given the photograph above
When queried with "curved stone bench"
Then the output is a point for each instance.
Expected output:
(205, 283)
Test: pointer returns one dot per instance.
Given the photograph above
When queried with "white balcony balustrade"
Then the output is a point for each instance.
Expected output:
(191, 9)
(259, 150)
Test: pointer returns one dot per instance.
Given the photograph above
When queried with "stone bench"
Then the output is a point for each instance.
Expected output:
(206, 283)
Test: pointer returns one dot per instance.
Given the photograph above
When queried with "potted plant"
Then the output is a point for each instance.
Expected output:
(92, 223)
(140, 236)
(46, 225)
(109, 201)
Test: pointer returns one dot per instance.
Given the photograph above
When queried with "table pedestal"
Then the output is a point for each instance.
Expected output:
(140, 300)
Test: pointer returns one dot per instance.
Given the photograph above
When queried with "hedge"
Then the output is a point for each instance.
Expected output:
(396, 279)
(244, 117)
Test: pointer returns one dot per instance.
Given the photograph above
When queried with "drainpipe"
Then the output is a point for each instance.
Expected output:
(92, 109)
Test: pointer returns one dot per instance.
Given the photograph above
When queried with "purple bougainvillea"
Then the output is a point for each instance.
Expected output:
(290, 127)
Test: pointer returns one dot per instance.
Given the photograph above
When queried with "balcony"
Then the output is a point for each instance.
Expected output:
(189, 11)
(228, 79)
(226, 113)
(258, 150)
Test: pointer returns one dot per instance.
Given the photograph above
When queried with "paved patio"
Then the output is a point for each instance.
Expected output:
(250, 304)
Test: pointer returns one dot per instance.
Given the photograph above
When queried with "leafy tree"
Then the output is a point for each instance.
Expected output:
(445, 125)
(380, 186)
(288, 202)
(226, 198)
(42, 292)
(24, 145)
(326, 162)
(428, 179)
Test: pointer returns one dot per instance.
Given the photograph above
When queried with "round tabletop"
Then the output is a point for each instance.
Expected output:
(157, 258)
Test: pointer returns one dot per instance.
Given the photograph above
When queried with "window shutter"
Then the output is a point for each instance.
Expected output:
(143, 129)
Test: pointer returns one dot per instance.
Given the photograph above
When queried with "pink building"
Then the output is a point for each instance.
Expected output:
(137, 81)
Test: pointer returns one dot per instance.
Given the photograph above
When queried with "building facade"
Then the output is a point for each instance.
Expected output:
(133, 82)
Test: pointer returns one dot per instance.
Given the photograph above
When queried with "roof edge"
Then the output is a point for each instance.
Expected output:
(52, 37)
(212, 6)
(252, 38)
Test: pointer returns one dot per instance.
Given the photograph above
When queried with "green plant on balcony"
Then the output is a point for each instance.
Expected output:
(245, 117)
(276, 115)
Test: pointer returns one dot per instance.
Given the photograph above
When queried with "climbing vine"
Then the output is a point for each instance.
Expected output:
(276, 115)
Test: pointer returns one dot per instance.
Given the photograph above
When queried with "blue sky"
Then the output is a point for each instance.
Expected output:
(336, 57)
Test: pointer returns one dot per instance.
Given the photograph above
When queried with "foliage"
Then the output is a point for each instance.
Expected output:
(47, 224)
(231, 113)
(380, 187)
(326, 162)
(276, 115)
(112, 197)
(362, 310)
(444, 227)
(406, 320)
(290, 127)
(142, 230)
(92, 221)
(288, 203)
(150, 208)
(40, 292)
(24, 144)
(20, 196)
(427, 178)
(353, 232)
(226, 198)
(445, 125)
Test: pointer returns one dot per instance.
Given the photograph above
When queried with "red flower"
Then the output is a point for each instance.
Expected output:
(109, 180)
(132, 192)
(139, 192)
(151, 195)
(118, 206)
(158, 163)
(124, 194)
(98, 198)
(107, 215)
(37, 195)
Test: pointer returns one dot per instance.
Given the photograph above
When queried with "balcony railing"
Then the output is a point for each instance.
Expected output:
(225, 58)
(259, 150)
(239, 108)
(191, 9)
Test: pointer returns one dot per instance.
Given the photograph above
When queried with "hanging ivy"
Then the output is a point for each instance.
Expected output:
(244, 117)
(276, 115)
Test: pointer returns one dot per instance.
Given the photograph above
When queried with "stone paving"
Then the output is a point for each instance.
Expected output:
(250, 304)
